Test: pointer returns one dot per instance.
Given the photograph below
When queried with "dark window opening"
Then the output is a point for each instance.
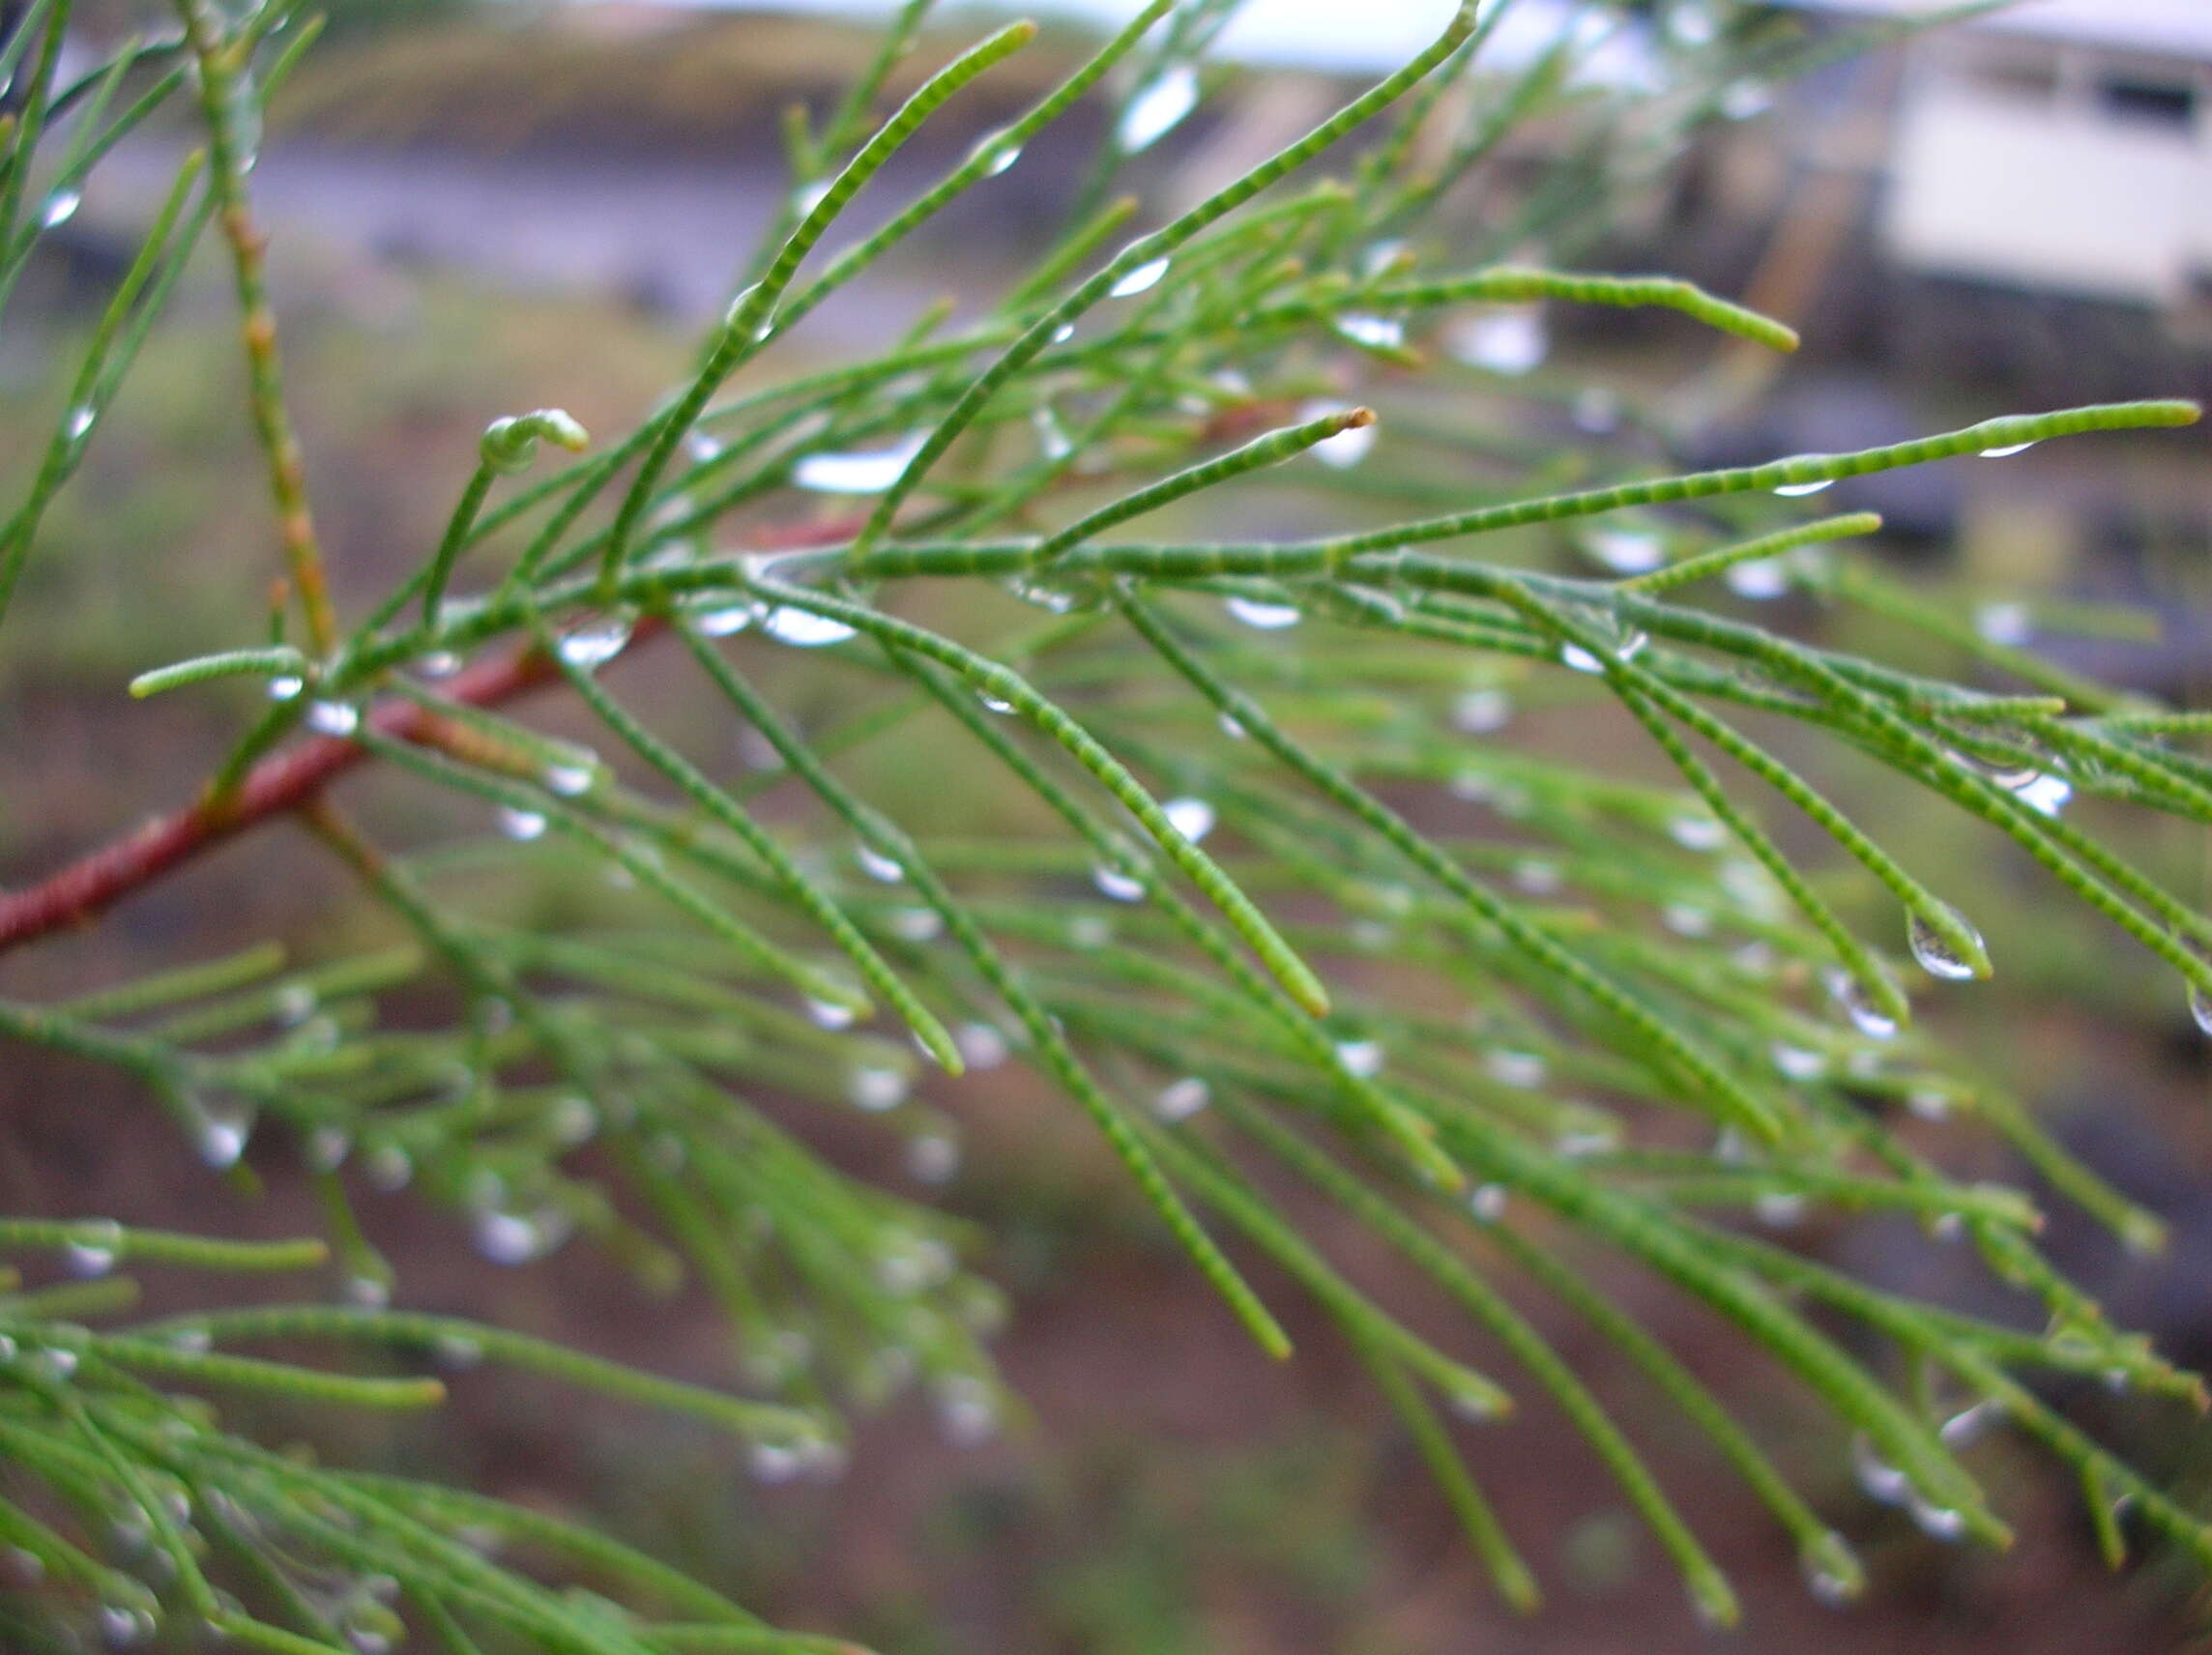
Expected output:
(2148, 103)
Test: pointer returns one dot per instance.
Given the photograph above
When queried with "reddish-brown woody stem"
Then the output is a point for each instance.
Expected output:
(281, 782)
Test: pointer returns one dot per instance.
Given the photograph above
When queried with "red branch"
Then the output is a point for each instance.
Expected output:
(283, 782)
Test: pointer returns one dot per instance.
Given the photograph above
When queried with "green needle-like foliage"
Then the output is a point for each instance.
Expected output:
(1598, 1024)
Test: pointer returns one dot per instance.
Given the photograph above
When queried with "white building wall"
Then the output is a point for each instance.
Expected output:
(2059, 195)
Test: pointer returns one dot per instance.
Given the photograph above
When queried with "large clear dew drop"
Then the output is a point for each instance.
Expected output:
(1938, 957)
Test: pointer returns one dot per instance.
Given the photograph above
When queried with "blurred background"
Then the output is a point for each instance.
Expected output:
(486, 207)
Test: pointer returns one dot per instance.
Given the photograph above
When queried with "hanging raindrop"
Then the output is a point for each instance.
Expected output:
(1758, 581)
(1182, 1100)
(1480, 711)
(884, 870)
(1859, 1005)
(1938, 957)
(61, 207)
(1800, 490)
(861, 473)
(596, 644)
(1192, 818)
(803, 628)
(875, 1089)
(1510, 342)
(1157, 109)
(1112, 881)
(1265, 617)
(718, 618)
(1138, 279)
(521, 825)
(1362, 1058)
(1376, 332)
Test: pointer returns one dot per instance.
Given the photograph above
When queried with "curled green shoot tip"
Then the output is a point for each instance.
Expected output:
(275, 664)
(510, 445)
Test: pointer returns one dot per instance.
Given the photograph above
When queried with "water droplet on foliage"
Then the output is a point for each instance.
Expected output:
(1858, 1004)
(1796, 1062)
(1480, 711)
(1360, 1058)
(122, 1626)
(1538, 877)
(875, 1089)
(93, 1248)
(1698, 832)
(916, 924)
(1524, 1070)
(2005, 623)
(1879, 1479)
(1833, 1572)
(1936, 1522)
(327, 1148)
(1780, 1210)
(861, 471)
(61, 207)
(220, 1132)
(718, 618)
(569, 780)
(1157, 109)
(1112, 881)
(521, 825)
(595, 643)
(1488, 1201)
(1179, 1101)
(1267, 617)
(1192, 818)
(1510, 342)
(933, 1157)
(1348, 447)
(1377, 332)
(286, 686)
(2007, 451)
(334, 718)
(1800, 490)
(1760, 580)
(1089, 931)
(1134, 281)
(2043, 794)
(884, 869)
(1936, 955)
(997, 152)
(1625, 551)
(1746, 98)
(517, 1238)
(829, 1013)
(982, 1046)
(803, 628)
(1053, 440)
